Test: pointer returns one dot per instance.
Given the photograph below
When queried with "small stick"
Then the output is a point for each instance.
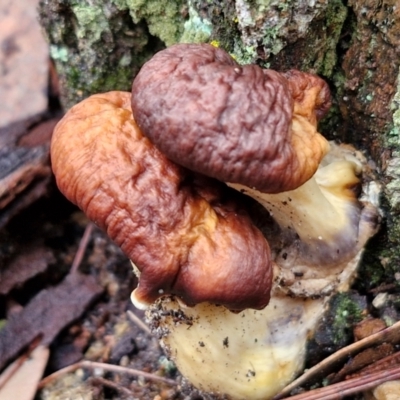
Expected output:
(112, 385)
(81, 248)
(136, 320)
(349, 387)
(106, 367)
(390, 334)
(383, 288)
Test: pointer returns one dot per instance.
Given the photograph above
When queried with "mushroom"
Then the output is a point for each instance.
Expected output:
(255, 129)
(187, 234)
(197, 253)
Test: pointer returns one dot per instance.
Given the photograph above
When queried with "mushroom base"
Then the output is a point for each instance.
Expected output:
(249, 355)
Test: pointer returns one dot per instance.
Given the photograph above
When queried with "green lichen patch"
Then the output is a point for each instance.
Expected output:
(219, 16)
(59, 53)
(336, 14)
(348, 310)
(265, 24)
(164, 18)
(91, 21)
(197, 28)
(244, 54)
(257, 31)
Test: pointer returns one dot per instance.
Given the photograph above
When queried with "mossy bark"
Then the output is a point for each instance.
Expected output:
(99, 45)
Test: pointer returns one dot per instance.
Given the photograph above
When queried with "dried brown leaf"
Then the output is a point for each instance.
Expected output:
(386, 363)
(25, 266)
(363, 359)
(47, 314)
(368, 327)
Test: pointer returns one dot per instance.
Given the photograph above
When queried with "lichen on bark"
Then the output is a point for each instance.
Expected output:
(95, 45)
(392, 187)
(393, 164)
(369, 107)
(164, 18)
(276, 33)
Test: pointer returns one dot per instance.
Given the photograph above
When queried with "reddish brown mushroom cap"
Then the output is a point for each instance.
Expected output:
(239, 124)
(179, 229)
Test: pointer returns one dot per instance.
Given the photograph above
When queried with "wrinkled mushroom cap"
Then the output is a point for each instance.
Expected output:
(239, 124)
(186, 234)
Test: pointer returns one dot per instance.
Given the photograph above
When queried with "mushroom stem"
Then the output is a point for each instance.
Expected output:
(324, 214)
(249, 355)
(256, 352)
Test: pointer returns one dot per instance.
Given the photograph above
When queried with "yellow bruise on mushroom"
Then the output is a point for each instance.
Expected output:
(253, 354)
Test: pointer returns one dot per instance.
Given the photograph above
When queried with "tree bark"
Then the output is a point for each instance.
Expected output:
(99, 45)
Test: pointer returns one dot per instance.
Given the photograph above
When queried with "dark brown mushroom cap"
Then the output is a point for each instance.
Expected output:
(185, 233)
(230, 122)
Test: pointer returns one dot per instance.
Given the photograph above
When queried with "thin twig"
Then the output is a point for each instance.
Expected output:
(349, 387)
(383, 288)
(112, 385)
(390, 335)
(82, 247)
(106, 367)
(59, 373)
(136, 320)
